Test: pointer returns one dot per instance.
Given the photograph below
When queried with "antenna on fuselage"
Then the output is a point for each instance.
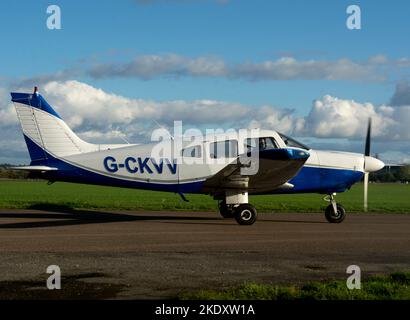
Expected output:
(123, 138)
(121, 135)
(162, 127)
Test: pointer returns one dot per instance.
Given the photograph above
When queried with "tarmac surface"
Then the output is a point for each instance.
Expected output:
(150, 255)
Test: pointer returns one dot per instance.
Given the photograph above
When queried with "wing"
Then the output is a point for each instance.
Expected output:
(271, 170)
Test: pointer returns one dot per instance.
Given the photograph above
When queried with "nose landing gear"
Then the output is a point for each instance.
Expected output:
(334, 213)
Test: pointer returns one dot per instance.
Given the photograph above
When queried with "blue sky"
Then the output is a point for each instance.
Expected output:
(97, 33)
(236, 31)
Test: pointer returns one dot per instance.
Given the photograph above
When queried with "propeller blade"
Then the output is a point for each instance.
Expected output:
(366, 185)
(369, 130)
(367, 154)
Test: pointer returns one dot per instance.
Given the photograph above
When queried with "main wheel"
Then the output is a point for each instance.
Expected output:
(333, 217)
(245, 214)
(225, 210)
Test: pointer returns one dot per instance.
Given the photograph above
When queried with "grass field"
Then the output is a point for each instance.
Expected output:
(395, 286)
(394, 198)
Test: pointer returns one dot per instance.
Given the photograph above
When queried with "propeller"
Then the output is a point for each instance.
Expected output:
(369, 130)
(370, 164)
(367, 154)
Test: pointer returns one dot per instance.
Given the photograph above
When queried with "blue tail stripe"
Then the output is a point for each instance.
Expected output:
(35, 100)
(37, 154)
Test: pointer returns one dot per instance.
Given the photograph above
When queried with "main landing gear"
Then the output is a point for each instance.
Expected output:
(334, 213)
(226, 211)
(243, 212)
(236, 206)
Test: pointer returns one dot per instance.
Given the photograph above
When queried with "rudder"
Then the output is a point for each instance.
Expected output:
(44, 130)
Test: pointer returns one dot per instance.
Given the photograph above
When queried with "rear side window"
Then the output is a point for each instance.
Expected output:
(192, 152)
(224, 149)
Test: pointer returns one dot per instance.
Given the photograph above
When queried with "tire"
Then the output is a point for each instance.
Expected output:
(226, 211)
(245, 214)
(335, 218)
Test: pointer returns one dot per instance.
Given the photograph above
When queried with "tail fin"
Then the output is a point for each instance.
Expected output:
(44, 130)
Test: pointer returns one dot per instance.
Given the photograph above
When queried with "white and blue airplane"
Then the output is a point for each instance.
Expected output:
(284, 165)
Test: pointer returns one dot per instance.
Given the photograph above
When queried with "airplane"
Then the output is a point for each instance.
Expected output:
(285, 166)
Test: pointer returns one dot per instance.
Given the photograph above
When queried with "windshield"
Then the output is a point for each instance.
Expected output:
(292, 142)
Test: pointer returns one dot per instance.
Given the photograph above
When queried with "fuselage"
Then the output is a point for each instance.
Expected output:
(135, 166)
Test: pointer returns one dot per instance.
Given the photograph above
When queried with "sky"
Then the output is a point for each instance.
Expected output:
(116, 68)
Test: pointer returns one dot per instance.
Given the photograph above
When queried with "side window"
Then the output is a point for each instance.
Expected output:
(224, 149)
(262, 143)
(192, 152)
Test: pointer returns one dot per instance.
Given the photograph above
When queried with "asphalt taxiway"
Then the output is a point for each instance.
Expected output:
(161, 254)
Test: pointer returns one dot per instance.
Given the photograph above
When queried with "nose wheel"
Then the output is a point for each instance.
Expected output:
(334, 213)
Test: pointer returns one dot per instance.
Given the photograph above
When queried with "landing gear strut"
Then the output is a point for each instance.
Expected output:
(334, 213)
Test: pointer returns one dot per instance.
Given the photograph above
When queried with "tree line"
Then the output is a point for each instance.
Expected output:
(392, 174)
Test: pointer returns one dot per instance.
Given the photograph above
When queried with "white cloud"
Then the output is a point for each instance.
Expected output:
(156, 66)
(395, 157)
(285, 68)
(283, 120)
(153, 66)
(99, 116)
(84, 104)
(7, 113)
(333, 117)
(401, 96)
(89, 109)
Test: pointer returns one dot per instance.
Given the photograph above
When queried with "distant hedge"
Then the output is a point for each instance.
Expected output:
(7, 173)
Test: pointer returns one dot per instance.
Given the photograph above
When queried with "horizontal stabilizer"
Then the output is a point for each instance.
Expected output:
(286, 186)
(35, 168)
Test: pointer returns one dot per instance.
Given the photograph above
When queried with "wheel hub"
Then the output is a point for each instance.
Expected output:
(337, 214)
(246, 215)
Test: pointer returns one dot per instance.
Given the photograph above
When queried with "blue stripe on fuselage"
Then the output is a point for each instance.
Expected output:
(323, 180)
